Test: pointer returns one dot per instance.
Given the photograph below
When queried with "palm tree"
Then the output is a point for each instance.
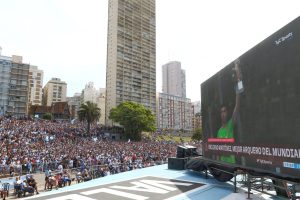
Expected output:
(89, 112)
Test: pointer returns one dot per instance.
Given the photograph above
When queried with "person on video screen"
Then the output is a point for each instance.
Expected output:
(227, 123)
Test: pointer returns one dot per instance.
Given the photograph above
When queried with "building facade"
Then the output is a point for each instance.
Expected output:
(196, 115)
(5, 68)
(174, 113)
(97, 96)
(18, 88)
(131, 54)
(54, 91)
(90, 93)
(173, 79)
(101, 105)
(58, 110)
(74, 104)
(35, 86)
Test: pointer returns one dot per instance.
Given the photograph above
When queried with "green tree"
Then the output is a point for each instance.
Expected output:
(47, 116)
(134, 117)
(197, 134)
(89, 112)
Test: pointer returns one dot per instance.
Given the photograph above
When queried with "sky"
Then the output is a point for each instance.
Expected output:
(67, 38)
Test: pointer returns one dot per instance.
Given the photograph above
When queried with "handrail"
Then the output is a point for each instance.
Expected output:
(38, 168)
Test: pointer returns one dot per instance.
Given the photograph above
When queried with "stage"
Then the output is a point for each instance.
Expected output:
(153, 183)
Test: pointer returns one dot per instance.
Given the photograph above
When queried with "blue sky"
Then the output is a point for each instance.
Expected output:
(67, 38)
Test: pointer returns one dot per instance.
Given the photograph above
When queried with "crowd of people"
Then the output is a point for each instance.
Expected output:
(28, 146)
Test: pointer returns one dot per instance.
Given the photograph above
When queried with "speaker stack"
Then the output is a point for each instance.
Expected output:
(182, 156)
(177, 163)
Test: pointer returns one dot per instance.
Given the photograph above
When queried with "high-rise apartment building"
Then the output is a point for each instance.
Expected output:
(174, 112)
(131, 54)
(18, 88)
(5, 68)
(174, 109)
(173, 79)
(35, 86)
(54, 91)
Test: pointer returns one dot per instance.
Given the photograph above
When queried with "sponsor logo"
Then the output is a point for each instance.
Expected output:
(291, 165)
(283, 38)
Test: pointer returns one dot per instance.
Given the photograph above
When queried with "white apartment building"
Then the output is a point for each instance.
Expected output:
(131, 54)
(55, 91)
(90, 93)
(35, 93)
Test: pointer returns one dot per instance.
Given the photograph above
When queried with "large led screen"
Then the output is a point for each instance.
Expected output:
(251, 108)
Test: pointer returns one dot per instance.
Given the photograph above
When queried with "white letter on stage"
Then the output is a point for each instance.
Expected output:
(163, 184)
(115, 192)
(142, 187)
(72, 197)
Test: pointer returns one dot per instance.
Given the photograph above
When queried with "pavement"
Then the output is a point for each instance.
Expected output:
(153, 183)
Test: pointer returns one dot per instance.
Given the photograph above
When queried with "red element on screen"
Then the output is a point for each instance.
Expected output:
(221, 140)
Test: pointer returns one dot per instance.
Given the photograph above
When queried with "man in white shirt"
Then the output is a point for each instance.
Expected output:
(60, 168)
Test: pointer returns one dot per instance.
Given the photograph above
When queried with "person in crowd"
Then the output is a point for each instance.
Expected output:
(31, 182)
(66, 178)
(3, 192)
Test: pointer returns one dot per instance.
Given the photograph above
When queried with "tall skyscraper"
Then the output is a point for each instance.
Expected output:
(131, 54)
(55, 91)
(173, 79)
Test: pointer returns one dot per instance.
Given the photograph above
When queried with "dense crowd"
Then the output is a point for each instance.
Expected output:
(31, 145)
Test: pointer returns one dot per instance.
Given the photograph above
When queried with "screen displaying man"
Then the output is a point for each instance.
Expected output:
(227, 124)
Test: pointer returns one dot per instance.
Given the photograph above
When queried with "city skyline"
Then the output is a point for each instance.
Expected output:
(67, 39)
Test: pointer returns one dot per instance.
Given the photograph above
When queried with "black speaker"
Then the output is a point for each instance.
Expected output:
(186, 151)
(177, 163)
